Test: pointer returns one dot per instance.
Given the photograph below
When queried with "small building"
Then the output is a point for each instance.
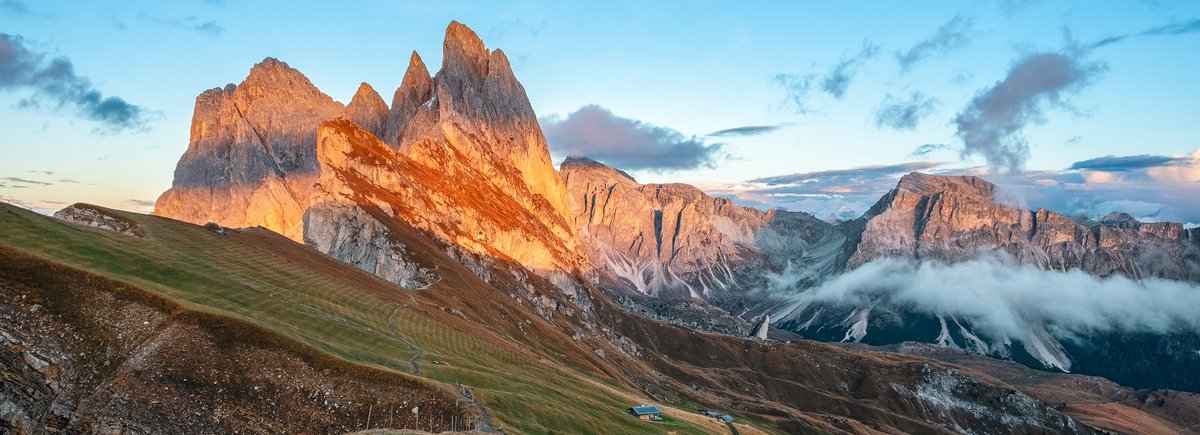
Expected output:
(727, 418)
(646, 412)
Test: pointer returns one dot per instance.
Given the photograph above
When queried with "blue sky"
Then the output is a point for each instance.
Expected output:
(671, 73)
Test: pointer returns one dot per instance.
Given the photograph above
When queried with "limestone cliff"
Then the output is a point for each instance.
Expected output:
(675, 240)
(251, 159)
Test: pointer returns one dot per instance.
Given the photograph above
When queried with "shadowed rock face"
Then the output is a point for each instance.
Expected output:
(251, 159)
(957, 218)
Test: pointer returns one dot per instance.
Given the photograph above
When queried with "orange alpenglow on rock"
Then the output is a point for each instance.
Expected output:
(460, 156)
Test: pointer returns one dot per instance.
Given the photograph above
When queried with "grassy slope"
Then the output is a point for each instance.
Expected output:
(338, 310)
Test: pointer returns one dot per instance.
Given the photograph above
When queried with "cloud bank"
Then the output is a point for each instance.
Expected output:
(55, 84)
(1002, 299)
(629, 144)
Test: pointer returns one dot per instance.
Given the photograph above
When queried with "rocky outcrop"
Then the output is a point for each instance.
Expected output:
(97, 217)
(675, 240)
(251, 159)
(951, 219)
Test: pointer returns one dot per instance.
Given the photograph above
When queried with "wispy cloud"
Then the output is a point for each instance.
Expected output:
(842, 177)
(991, 125)
(926, 149)
(14, 7)
(54, 83)
(835, 82)
(1111, 163)
(953, 35)
(749, 130)
(623, 143)
(904, 113)
(26, 181)
(205, 27)
(1171, 29)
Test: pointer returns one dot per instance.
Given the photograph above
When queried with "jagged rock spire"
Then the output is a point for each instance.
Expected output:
(414, 90)
(368, 110)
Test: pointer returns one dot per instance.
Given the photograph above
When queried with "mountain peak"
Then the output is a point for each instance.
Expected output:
(272, 67)
(368, 110)
(579, 163)
(928, 184)
(463, 53)
(415, 89)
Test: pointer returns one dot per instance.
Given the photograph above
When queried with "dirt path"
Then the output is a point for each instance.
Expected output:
(417, 350)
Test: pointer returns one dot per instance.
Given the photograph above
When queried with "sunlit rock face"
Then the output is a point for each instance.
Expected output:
(368, 110)
(253, 155)
(251, 159)
(675, 240)
(477, 109)
(468, 163)
(365, 184)
(955, 218)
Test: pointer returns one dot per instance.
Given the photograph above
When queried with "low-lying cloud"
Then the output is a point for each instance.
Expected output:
(1003, 299)
(904, 113)
(629, 144)
(949, 37)
(55, 84)
(991, 125)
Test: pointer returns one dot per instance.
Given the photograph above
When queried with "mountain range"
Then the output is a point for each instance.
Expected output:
(348, 239)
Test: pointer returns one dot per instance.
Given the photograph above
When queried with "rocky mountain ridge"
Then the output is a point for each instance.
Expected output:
(253, 160)
(952, 219)
(459, 155)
